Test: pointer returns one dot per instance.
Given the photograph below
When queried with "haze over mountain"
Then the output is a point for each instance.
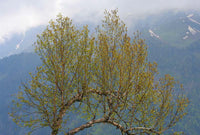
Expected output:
(173, 39)
(19, 17)
(171, 27)
(19, 43)
(179, 29)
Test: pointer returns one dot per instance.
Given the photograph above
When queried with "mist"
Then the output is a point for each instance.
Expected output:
(17, 16)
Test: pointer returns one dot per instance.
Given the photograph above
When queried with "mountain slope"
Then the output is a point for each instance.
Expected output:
(183, 64)
(19, 43)
(13, 70)
(165, 35)
(172, 28)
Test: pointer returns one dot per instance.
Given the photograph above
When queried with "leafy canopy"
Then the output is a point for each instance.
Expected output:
(105, 77)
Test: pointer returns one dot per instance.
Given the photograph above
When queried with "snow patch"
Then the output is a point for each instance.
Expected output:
(190, 15)
(18, 45)
(185, 37)
(153, 34)
(192, 20)
(192, 30)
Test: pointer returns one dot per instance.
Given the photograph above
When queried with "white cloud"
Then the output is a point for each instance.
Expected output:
(17, 16)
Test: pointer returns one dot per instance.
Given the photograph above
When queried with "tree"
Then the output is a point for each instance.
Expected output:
(105, 77)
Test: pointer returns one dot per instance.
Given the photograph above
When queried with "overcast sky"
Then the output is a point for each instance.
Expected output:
(17, 16)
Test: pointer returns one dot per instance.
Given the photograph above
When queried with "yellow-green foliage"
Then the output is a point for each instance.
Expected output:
(105, 73)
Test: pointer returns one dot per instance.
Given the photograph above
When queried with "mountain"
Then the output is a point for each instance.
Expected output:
(19, 43)
(173, 40)
(171, 28)
(13, 70)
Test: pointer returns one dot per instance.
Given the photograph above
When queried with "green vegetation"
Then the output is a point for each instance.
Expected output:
(103, 77)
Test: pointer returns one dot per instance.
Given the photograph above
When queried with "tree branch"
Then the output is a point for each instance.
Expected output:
(109, 121)
(87, 125)
(58, 121)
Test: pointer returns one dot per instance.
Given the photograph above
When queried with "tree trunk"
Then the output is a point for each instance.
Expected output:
(54, 132)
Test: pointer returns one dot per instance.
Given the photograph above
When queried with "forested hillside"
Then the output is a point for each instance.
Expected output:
(13, 71)
(177, 53)
(181, 63)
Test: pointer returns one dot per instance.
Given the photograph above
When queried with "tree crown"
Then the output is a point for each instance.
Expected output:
(104, 77)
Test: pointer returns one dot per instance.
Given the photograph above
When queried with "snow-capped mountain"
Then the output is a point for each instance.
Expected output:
(19, 43)
(172, 28)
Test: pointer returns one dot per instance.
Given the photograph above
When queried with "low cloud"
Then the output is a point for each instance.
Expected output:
(17, 16)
